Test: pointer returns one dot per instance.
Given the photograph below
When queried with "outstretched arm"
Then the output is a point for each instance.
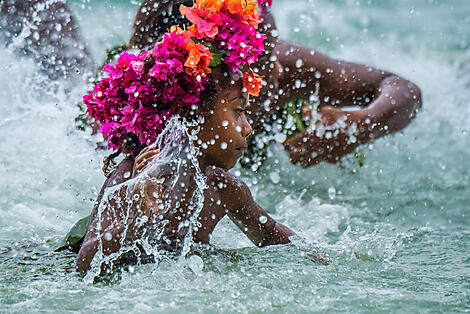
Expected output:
(389, 102)
(237, 202)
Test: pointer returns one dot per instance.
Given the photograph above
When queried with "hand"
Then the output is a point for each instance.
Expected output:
(145, 156)
(313, 146)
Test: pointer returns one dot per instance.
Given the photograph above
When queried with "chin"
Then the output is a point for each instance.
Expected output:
(229, 165)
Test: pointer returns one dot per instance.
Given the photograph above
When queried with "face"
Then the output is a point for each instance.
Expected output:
(224, 132)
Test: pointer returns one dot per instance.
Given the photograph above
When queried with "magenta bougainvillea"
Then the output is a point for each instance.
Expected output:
(140, 93)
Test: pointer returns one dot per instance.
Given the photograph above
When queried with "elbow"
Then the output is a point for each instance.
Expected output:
(411, 97)
(416, 96)
(415, 100)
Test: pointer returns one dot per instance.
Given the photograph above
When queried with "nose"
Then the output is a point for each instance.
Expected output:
(246, 127)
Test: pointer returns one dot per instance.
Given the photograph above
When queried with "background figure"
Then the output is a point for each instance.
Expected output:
(48, 31)
(315, 86)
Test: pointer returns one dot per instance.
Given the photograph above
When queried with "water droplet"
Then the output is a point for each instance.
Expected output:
(108, 236)
(274, 176)
(280, 137)
(196, 264)
(224, 123)
(263, 219)
(223, 145)
(331, 192)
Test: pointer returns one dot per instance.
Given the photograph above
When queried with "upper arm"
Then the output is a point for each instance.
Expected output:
(340, 83)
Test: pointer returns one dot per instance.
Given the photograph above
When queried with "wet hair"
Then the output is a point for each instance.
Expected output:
(219, 78)
(153, 19)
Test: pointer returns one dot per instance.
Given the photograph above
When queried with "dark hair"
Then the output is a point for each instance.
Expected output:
(153, 19)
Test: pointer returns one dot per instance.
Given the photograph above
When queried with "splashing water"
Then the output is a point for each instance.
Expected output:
(396, 228)
(173, 183)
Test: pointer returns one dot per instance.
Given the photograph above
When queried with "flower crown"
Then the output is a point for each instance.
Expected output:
(142, 92)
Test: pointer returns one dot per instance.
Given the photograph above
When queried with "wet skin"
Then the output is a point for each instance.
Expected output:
(225, 195)
(388, 102)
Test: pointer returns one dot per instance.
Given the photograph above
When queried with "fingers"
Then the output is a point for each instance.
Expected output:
(293, 149)
(146, 155)
(309, 151)
(145, 150)
(329, 115)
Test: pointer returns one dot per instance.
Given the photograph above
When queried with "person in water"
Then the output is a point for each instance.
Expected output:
(49, 33)
(180, 186)
(388, 102)
(291, 71)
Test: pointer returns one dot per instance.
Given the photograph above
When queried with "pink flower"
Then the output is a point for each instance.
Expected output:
(203, 26)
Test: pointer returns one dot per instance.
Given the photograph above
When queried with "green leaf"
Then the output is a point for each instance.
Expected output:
(74, 235)
(216, 59)
(360, 156)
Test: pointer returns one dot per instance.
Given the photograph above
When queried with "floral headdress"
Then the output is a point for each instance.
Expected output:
(142, 92)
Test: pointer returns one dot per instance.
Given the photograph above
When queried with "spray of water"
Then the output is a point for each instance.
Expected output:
(156, 211)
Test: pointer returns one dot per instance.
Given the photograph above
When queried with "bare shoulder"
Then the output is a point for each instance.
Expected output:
(230, 187)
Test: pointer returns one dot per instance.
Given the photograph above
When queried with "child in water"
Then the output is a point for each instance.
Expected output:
(187, 95)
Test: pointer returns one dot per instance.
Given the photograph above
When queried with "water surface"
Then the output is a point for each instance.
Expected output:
(397, 227)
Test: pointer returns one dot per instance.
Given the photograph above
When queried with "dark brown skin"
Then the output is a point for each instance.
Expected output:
(341, 84)
(227, 123)
(388, 102)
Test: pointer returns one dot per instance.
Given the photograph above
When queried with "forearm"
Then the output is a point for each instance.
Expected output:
(279, 234)
(338, 83)
(258, 226)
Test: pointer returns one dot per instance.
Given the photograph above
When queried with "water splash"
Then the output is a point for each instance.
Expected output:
(157, 210)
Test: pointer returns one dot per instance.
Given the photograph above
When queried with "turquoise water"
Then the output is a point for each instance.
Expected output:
(398, 228)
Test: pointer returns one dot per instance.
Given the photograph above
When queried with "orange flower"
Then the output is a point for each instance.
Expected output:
(201, 26)
(250, 7)
(243, 7)
(198, 59)
(252, 83)
(235, 6)
(211, 5)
